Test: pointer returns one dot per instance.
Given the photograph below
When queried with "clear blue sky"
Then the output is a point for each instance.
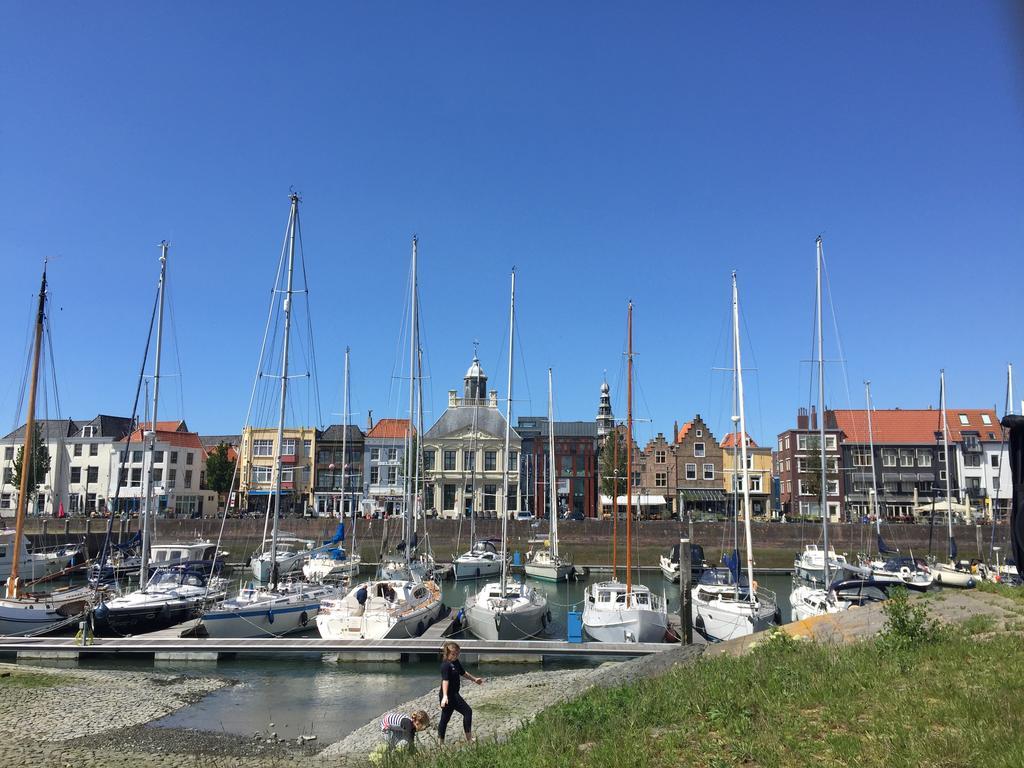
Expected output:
(608, 150)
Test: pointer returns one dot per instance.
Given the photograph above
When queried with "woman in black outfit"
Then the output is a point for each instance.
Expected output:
(452, 673)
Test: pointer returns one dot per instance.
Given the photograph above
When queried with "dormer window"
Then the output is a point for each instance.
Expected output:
(986, 420)
(964, 421)
(88, 431)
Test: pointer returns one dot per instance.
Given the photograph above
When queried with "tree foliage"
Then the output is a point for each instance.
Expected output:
(613, 458)
(38, 467)
(219, 469)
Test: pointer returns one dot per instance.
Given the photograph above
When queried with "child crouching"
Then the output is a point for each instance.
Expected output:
(399, 729)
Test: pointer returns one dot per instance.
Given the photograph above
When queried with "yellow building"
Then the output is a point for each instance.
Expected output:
(258, 480)
(759, 470)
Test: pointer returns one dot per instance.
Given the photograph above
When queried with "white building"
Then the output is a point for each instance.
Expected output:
(983, 462)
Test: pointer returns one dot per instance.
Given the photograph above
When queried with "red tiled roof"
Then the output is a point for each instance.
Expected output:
(683, 431)
(733, 439)
(390, 428)
(166, 426)
(905, 427)
(171, 437)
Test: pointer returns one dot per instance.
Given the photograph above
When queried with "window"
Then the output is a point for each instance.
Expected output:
(490, 461)
(259, 474)
(490, 497)
(942, 457)
(513, 461)
(709, 471)
(755, 483)
(188, 478)
(76, 474)
(995, 483)
(801, 442)
(787, 442)
(469, 460)
(888, 458)
(392, 475)
(92, 475)
(5, 501)
(374, 475)
(375, 454)
(174, 457)
(262, 448)
(801, 488)
(288, 446)
(972, 459)
(830, 442)
(700, 433)
(158, 457)
(188, 458)
(691, 471)
(428, 462)
(636, 479)
(698, 449)
(88, 431)
(861, 457)
(661, 479)
(449, 462)
(287, 475)
(964, 420)
(833, 487)
(906, 458)
(94, 449)
(428, 497)
(158, 474)
(780, 445)
(995, 460)
(136, 457)
(986, 420)
(392, 454)
(942, 475)
(172, 476)
(511, 502)
(122, 478)
(8, 476)
(659, 457)
(449, 497)
(924, 458)
(136, 478)
(801, 464)
(307, 447)
(9, 452)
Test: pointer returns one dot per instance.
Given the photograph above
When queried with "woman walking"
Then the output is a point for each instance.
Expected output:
(452, 673)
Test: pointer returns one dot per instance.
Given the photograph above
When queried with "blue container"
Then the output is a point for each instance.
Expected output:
(517, 558)
(575, 621)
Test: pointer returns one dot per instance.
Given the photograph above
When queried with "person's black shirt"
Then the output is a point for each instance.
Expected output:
(452, 671)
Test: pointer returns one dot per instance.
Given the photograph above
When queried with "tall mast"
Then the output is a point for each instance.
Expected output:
(151, 434)
(1009, 388)
(629, 455)
(409, 511)
(615, 503)
(27, 449)
(279, 444)
(344, 446)
(821, 420)
(945, 452)
(421, 479)
(743, 439)
(871, 449)
(508, 433)
(552, 490)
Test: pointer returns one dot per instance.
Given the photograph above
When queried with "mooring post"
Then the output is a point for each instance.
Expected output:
(685, 609)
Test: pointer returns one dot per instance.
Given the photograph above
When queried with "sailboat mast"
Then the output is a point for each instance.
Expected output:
(151, 434)
(615, 502)
(279, 443)
(945, 452)
(409, 511)
(629, 455)
(871, 453)
(508, 434)
(821, 418)
(552, 490)
(1009, 388)
(344, 446)
(27, 448)
(743, 439)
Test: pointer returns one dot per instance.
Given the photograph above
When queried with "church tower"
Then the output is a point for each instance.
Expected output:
(605, 419)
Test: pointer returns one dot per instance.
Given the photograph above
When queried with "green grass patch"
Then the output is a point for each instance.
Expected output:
(1016, 594)
(939, 699)
(17, 679)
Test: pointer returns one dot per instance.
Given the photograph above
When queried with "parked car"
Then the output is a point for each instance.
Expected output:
(523, 516)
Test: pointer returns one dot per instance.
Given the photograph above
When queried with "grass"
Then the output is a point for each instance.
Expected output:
(1016, 594)
(945, 701)
(16, 679)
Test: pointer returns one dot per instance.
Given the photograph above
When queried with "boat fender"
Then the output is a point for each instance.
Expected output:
(248, 561)
(270, 617)
(419, 629)
(777, 616)
(303, 619)
(478, 573)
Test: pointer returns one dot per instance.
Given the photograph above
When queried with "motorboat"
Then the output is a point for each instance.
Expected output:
(171, 596)
(615, 613)
(33, 564)
(329, 564)
(911, 572)
(670, 562)
(808, 601)
(810, 565)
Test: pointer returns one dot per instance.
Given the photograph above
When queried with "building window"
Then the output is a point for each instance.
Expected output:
(924, 458)
(288, 446)
(5, 501)
(136, 457)
(700, 433)
(709, 471)
(861, 457)
(698, 449)
(172, 476)
(392, 475)
(262, 447)
(511, 502)
(94, 449)
(755, 483)
(888, 458)
(92, 475)
(830, 442)
(392, 454)
(972, 459)
(490, 461)
(691, 471)
(158, 457)
(490, 498)
(449, 497)
(469, 460)
(995, 483)
(659, 457)
(188, 458)
(942, 458)
(833, 487)
(449, 463)
(661, 479)
(428, 463)
(76, 474)
(375, 454)
(287, 474)
(801, 488)
(942, 475)
(158, 474)
(428, 497)
(995, 460)
(513, 461)
(906, 458)
(963, 420)
(374, 475)
(801, 442)
(259, 474)
(136, 478)
(801, 464)
(307, 447)
(9, 452)
(188, 478)
(174, 457)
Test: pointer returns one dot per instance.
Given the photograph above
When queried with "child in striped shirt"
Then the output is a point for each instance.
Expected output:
(399, 729)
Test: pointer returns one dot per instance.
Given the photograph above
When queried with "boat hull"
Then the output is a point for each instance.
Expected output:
(950, 577)
(475, 570)
(276, 617)
(520, 624)
(549, 572)
(141, 619)
(626, 625)
(23, 616)
(720, 620)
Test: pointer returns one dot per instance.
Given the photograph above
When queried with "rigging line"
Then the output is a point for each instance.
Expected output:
(53, 364)
(756, 370)
(524, 377)
(177, 347)
(835, 328)
(314, 372)
(28, 365)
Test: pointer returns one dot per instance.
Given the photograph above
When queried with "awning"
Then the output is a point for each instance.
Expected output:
(890, 477)
(640, 500)
(926, 476)
(908, 477)
(861, 477)
(268, 493)
(702, 494)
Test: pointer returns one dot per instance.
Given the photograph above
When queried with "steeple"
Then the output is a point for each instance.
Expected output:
(475, 380)
(605, 419)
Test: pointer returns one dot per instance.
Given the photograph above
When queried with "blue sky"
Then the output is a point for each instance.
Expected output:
(609, 151)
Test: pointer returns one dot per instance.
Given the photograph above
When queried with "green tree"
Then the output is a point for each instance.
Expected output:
(219, 470)
(610, 456)
(38, 467)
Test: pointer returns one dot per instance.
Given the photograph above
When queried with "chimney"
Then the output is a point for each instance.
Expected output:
(814, 418)
(492, 399)
(369, 419)
(801, 418)
(675, 431)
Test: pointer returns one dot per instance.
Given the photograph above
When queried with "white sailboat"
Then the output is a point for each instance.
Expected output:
(613, 611)
(547, 563)
(400, 602)
(507, 609)
(22, 613)
(280, 607)
(724, 607)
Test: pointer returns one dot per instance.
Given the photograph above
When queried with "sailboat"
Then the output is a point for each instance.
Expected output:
(281, 606)
(949, 574)
(613, 611)
(401, 601)
(825, 597)
(548, 564)
(724, 605)
(25, 613)
(507, 609)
